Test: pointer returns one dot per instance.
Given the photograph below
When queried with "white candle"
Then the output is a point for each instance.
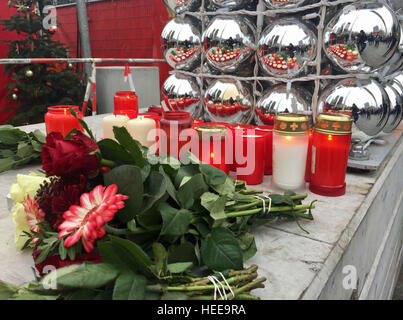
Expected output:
(139, 129)
(289, 160)
(111, 121)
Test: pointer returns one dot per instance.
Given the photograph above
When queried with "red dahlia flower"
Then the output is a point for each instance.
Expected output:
(65, 157)
(86, 221)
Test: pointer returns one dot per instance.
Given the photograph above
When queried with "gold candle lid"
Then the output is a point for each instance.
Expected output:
(212, 131)
(291, 124)
(334, 123)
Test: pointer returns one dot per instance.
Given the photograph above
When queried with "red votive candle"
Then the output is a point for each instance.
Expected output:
(240, 129)
(173, 123)
(126, 103)
(267, 131)
(330, 148)
(309, 157)
(252, 171)
(197, 123)
(212, 146)
(59, 119)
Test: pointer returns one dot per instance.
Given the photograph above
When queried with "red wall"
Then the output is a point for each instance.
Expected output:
(118, 29)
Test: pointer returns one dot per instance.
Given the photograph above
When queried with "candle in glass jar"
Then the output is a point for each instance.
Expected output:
(309, 157)
(237, 129)
(173, 123)
(252, 171)
(59, 119)
(111, 121)
(126, 103)
(267, 131)
(212, 146)
(139, 129)
(330, 149)
(290, 149)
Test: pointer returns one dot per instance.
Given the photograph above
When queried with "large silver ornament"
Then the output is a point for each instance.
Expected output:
(182, 92)
(285, 4)
(397, 84)
(228, 42)
(231, 4)
(279, 99)
(180, 43)
(396, 109)
(227, 100)
(285, 48)
(396, 62)
(362, 37)
(364, 100)
(180, 6)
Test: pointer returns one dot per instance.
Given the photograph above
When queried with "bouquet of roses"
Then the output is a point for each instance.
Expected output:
(114, 222)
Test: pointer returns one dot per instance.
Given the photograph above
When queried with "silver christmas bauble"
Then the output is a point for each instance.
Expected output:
(396, 62)
(182, 93)
(230, 4)
(285, 4)
(180, 43)
(396, 109)
(397, 84)
(180, 6)
(279, 99)
(285, 48)
(228, 42)
(364, 100)
(227, 100)
(362, 37)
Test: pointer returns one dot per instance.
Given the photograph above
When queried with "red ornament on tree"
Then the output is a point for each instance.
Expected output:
(15, 90)
(52, 30)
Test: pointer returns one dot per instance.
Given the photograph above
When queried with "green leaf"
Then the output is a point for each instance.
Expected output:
(11, 136)
(83, 294)
(112, 150)
(174, 296)
(248, 245)
(227, 188)
(221, 250)
(169, 185)
(213, 175)
(160, 257)
(6, 164)
(129, 180)
(215, 205)
(183, 252)
(62, 250)
(82, 276)
(37, 146)
(83, 124)
(155, 187)
(129, 286)
(192, 190)
(179, 267)
(132, 146)
(139, 259)
(39, 136)
(174, 222)
(24, 149)
(185, 171)
(7, 290)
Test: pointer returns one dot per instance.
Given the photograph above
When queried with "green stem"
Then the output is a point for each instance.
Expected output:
(211, 287)
(107, 163)
(285, 210)
(249, 286)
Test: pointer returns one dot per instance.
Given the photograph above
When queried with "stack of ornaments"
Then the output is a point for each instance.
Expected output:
(360, 73)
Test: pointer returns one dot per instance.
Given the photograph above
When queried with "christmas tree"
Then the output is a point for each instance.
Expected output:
(35, 87)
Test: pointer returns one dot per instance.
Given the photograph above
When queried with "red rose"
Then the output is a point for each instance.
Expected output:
(57, 262)
(66, 157)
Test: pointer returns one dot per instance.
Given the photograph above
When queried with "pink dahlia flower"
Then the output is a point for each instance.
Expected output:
(86, 220)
